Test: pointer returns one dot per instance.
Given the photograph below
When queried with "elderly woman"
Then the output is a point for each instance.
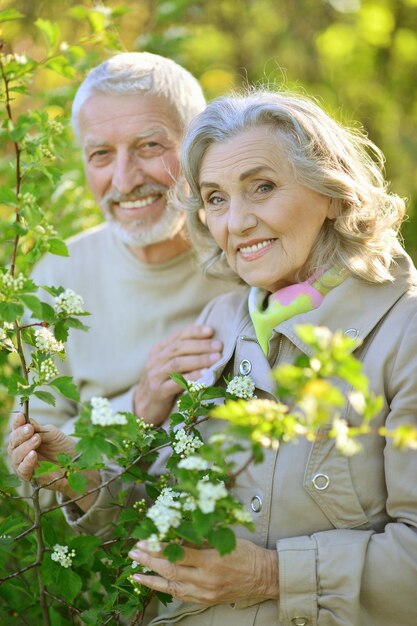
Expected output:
(296, 205)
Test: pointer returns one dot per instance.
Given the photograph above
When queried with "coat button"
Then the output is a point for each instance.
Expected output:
(353, 333)
(245, 367)
(256, 504)
(299, 621)
(321, 481)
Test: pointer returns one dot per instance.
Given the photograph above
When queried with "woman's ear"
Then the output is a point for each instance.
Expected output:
(333, 208)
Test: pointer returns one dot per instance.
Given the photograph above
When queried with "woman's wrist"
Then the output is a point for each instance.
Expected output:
(269, 582)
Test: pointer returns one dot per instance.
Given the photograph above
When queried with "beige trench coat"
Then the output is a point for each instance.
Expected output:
(345, 529)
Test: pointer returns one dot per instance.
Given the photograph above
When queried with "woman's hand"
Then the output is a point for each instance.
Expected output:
(31, 443)
(205, 577)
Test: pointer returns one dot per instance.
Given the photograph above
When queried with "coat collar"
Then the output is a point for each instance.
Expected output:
(354, 307)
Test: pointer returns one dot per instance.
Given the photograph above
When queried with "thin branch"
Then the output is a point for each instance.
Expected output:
(62, 601)
(24, 533)
(19, 572)
(39, 556)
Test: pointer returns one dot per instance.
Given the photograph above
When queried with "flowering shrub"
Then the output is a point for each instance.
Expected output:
(48, 575)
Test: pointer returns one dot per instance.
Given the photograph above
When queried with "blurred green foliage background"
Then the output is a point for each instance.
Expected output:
(358, 57)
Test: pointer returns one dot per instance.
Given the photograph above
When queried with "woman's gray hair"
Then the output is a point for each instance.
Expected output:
(130, 73)
(338, 162)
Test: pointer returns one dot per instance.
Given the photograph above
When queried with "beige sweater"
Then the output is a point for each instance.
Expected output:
(132, 304)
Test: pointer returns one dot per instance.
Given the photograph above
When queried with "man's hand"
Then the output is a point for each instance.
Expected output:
(189, 352)
(31, 443)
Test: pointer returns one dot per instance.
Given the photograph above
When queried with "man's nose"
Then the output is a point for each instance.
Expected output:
(127, 173)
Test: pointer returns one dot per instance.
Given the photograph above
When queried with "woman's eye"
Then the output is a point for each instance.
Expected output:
(264, 187)
(214, 201)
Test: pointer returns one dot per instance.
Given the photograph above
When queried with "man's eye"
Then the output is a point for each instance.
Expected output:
(98, 154)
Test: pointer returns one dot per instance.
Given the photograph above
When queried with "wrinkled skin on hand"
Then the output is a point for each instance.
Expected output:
(205, 577)
(31, 443)
(189, 352)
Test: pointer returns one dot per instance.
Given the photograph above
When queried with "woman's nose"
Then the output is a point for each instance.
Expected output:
(241, 216)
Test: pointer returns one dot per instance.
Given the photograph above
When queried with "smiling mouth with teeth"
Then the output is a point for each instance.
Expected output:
(139, 203)
(255, 247)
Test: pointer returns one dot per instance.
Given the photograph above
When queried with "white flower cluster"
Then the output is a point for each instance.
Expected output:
(103, 415)
(69, 303)
(194, 463)
(48, 370)
(62, 555)
(186, 444)
(28, 199)
(241, 386)
(5, 341)
(56, 127)
(195, 387)
(209, 493)
(345, 444)
(12, 284)
(241, 516)
(166, 512)
(153, 543)
(46, 342)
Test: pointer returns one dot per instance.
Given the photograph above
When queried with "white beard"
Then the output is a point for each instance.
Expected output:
(144, 232)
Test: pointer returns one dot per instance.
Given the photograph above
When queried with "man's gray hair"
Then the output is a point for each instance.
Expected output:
(338, 162)
(130, 73)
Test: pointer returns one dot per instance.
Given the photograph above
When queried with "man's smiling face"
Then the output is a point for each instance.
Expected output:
(130, 146)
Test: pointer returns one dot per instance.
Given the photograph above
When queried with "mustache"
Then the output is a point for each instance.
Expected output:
(142, 191)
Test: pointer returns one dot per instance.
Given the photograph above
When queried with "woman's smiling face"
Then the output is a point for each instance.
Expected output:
(259, 215)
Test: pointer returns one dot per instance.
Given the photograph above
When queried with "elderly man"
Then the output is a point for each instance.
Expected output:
(136, 273)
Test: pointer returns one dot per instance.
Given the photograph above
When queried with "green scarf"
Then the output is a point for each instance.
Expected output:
(289, 302)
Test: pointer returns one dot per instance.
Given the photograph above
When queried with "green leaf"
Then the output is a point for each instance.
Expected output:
(48, 313)
(61, 331)
(174, 552)
(179, 379)
(8, 196)
(64, 581)
(10, 14)
(94, 449)
(91, 617)
(10, 311)
(223, 539)
(187, 531)
(45, 396)
(66, 388)
(128, 515)
(34, 304)
(58, 247)
(44, 467)
(85, 548)
(13, 525)
(8, 481)
(16, 384)
(72, 322)
(63, 459)
(50, 31)
(77, 482)
(61, 66)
